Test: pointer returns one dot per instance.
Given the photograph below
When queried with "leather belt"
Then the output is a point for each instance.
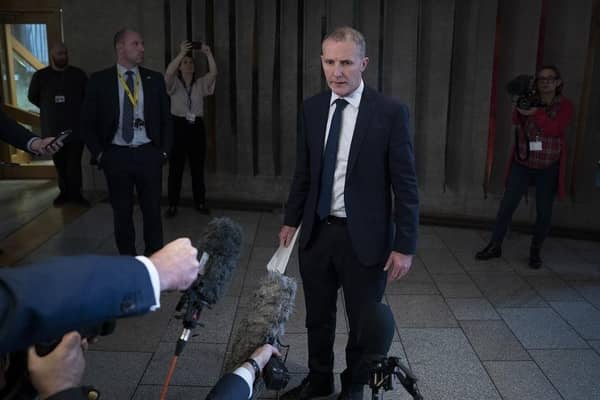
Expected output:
(333, 220)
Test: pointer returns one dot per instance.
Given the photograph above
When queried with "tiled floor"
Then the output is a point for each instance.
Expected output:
(468, 329)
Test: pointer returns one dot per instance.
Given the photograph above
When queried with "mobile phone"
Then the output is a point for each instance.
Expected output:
(60, 137)
(196, 45)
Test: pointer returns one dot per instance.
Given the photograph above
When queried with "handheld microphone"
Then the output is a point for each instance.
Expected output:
(375, 337)
(270, 308)
(220, 248)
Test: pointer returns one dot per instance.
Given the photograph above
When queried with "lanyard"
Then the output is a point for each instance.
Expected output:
(188, 92)
(133, 97)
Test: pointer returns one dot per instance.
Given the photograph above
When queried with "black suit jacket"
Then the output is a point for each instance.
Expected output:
(381, 158)
(100, 111)
(13, 133)
(229, 387)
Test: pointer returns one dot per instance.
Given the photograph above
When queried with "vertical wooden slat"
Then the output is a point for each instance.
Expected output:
(225, 90)
(245, 33)
(276, 89)
(339, 13)
(368, 24)
(178, 24)
(289, 88)
(314, 14)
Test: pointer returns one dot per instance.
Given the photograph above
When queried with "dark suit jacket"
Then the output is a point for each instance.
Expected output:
(100, 111)
(229, 387)
(41, 302)
(13, 133)
(381, 157)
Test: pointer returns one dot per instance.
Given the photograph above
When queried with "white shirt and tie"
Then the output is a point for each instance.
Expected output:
(140, 136)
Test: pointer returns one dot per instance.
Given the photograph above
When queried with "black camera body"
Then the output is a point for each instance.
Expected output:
(276, 374)
(523, 91)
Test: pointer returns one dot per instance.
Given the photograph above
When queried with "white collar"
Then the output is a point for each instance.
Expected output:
(122, 69)
(353, 98)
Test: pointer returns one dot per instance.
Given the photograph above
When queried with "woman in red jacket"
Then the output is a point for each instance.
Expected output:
(539, 157)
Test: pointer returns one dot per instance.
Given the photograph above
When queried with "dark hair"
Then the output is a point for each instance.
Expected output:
(120, 35)
(556, 71)
(180, 75)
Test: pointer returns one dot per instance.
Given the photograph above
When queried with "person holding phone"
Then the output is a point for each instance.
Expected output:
(58, 91)
(187, 91)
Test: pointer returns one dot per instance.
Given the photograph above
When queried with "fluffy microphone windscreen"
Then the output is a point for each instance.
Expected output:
(222, 241)
(377, 330)
(269, 309)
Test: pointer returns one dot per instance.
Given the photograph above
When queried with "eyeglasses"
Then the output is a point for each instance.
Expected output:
(547, 79)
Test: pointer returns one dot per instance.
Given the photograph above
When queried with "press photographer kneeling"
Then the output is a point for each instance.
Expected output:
(541, 116)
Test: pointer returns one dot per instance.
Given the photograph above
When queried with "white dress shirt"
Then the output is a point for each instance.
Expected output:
(140, 136)
(338, 207)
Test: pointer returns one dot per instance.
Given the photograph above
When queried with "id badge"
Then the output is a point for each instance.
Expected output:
(59, 99)
(535, 146)
(191, 118)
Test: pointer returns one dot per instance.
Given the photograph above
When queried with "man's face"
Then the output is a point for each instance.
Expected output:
(60, 57)
(342, 66)
(131, 48)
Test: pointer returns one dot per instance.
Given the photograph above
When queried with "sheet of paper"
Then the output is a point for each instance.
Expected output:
(281, 257)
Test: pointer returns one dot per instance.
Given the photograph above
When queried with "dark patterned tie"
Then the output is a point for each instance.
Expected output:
(128, 110)
(329, 159)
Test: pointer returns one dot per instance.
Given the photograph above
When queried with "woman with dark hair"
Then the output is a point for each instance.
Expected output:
(538, 157)
(189, 137)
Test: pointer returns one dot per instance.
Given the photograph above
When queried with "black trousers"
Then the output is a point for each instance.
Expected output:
(68, 168)
(137, 168)
(189, 142)
(546, 183)
(326, 264)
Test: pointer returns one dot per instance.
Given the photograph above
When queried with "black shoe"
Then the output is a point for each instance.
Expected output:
(535, 261)
(201, 208)
(82, 201)
(492, 250)
(351, 395)
(60, 200)
(171, 212)
(308, 390)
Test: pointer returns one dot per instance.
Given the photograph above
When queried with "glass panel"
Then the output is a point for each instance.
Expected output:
(3, 66)
(23, 71)
(34, 38)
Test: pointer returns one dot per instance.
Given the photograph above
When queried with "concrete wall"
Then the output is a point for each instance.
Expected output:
(435, 55)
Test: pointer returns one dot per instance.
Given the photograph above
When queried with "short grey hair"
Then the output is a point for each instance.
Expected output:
(345, 33)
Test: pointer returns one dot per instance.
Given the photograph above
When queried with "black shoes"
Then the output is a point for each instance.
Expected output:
(309, 389)
(171, 212)
(60, 200)
(492, 250)
(535, 261)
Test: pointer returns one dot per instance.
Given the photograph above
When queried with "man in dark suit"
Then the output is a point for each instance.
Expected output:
(127, 128)
(354, 145)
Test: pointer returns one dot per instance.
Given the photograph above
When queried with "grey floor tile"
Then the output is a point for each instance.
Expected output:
(440, 261)
(115, 374)
(469, 263)
(420, 311)
(575, 373)
(492, 340)
(446, 365)
(199, 365)
(266, 235)
(456, 285)
(145, 392)
(507, 290)
(583, 317)
(590, 290)
(472, 309)
(541, 328)
(552, 288)
(417, 281)
(518, 380)
(595, 344)
(457, 239)
(430, 241)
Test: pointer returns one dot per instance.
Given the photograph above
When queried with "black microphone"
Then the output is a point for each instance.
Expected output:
(270, 308)
(220, 248)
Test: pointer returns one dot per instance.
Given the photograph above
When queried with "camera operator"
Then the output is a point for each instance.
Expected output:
(41, 302)
(539, 155)
(57, 376)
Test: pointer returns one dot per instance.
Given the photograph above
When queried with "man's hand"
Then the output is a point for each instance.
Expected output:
(177, 264)
(286, 233)
(43, 147)
(61, 369)
(529, 112)
(397, 265)
(263, 354)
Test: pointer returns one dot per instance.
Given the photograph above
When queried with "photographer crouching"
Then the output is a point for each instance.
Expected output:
(541, 116)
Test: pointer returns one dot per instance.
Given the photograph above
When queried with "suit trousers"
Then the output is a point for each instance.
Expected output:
(546, 182)
(189, 142)
(140, 169)
(68, 168)
(326, 264)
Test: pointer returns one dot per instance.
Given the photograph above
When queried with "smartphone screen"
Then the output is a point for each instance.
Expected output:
(60, 137)
(196, 45)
